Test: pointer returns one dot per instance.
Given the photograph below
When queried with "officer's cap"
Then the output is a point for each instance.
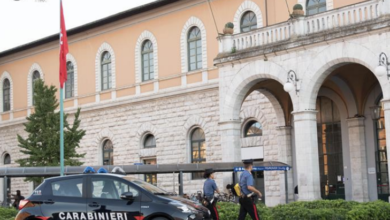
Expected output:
(208, 172)
(250, 161)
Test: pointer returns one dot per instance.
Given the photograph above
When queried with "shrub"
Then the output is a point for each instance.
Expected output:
(316, 210)
(8, 213)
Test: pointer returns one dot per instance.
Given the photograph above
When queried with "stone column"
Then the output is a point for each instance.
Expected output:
(306, 153)
(285, 156)
(386, 109)
(357, 153)
(230, 145)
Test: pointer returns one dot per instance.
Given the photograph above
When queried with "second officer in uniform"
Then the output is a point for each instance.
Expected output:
(248, 193)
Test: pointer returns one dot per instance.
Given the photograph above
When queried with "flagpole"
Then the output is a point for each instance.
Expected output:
(61, 115)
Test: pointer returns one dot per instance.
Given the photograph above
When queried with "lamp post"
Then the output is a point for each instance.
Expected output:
(292, 82)
(383, 67)
(376, 112)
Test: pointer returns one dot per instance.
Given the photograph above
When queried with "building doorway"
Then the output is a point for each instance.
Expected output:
(330, 150)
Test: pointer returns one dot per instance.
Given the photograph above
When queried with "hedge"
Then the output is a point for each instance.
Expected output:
(316, 210)
(8, 213)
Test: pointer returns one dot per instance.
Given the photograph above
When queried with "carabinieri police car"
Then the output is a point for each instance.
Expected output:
(104, 196)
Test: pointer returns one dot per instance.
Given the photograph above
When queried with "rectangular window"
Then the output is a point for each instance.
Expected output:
(68, 188)
(151, 177)
(69, 86)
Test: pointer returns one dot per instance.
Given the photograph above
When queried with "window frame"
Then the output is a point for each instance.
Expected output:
(6, 95)
(317, 6)
(120, 180)
(197, 40)
(250, 24)
(70, 81)
(107, 63)
(199, 142)
(248, 125)
(147, 136)
(109, 151)
(149, 53)
(33, 79)
(6, 155)
(151, 176)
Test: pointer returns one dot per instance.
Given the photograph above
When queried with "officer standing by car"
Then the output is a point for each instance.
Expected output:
(209, 188)
(248, 193)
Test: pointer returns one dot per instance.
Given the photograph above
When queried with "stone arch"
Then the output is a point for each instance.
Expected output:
(99, 140)
(34, 67)
(241, 83)
(146, 35)
(280, 116)
(247, 5)
(71, 58)
(4, 76)
(192, 22)
(105, 47)
(331, 58)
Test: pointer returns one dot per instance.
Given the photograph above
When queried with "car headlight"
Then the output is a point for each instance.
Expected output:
(184, 208)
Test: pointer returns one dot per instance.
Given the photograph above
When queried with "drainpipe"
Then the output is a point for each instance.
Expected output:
(266, 13)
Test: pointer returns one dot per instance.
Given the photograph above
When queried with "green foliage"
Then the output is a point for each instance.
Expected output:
(316, 210)
(229, 25)
(8, 213)
(43, 128)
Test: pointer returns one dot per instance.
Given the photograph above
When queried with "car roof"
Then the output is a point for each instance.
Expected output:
(86, 174)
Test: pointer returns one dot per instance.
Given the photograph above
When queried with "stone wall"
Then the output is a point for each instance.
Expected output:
(170, 119)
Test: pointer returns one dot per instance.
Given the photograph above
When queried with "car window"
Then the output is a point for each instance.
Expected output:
(68, 187)
(105, 188)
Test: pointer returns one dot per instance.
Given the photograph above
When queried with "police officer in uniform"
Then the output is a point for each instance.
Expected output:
(209, 188)
(248, 193)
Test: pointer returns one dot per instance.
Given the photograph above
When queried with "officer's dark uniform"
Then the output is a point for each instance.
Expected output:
(247, 203)
(209, 188)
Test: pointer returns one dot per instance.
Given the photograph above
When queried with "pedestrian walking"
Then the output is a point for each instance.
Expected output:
(209, 188)
(18, 197)
(248, 193)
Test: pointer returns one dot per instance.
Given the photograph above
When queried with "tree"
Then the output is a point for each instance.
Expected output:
(42, 146)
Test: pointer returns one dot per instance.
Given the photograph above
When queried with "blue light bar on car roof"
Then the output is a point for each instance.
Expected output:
(102, 170)
(89, 170)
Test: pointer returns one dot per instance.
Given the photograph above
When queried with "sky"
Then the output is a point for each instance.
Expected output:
(24, 21)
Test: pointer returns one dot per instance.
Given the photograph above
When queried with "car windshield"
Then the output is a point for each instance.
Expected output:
(148, 187)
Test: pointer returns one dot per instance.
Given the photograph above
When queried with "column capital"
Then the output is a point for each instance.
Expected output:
(386, 104)
(306, 115)
(231, 124)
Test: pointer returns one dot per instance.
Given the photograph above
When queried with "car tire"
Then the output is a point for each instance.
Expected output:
(160, 218)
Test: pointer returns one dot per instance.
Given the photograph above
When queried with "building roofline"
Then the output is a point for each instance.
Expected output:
(91, 25)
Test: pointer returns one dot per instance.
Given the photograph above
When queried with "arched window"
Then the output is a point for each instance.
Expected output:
(315, 6)
(147, 61)
(194, 49)
(106, 71)
(36, 75)
(69, 84)
(253, 128)
(7, 159)
(6, 95)
(248, 21)
(198, 150)
(150, 141)
(108, 155)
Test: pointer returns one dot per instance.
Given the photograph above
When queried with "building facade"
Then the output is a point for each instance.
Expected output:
(161, 84)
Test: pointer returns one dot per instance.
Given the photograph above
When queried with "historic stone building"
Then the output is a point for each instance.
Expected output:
(159, 84)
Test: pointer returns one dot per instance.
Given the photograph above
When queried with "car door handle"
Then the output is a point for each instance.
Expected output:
(48, 201)
(94, 204)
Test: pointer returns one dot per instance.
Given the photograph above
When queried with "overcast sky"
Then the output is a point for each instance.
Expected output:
(23, 21)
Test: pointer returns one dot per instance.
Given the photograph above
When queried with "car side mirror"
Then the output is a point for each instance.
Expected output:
(127, 196)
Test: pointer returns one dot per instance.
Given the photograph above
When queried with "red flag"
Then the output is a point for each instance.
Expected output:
(63, 50)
